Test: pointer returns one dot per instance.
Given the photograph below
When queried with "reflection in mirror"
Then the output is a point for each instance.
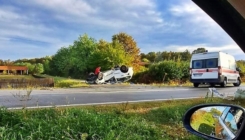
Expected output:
(221, 122)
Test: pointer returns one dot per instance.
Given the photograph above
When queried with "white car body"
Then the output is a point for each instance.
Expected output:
(120, 74)
(117, 75)
(214, 68)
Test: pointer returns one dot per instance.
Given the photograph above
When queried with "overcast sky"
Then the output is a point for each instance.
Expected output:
(37, 28)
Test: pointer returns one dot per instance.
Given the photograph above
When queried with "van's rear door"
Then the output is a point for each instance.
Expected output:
(205, 69)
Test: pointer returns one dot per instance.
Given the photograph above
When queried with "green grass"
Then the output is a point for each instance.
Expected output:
(15, 76)
(59, 82)
(149, 120)
(56, 78)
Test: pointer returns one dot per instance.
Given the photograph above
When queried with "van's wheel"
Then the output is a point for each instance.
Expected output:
(224, 83)
(124, 69)
(238, 83)
(195, 84)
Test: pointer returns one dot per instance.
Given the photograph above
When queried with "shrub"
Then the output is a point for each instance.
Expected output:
(167, 70)
(173, 70)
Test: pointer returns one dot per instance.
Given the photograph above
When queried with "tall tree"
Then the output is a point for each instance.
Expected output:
(158, 57)
(61, 62)
(82, 50)
(186, 55)
(151, 56)
(199, 50)
(112, 54)
(38, 69)
(130, 47)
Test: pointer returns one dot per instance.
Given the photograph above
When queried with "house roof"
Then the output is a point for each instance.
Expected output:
(13, 68)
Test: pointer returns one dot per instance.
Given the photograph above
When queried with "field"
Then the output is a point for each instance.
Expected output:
(58, 82)
(151, 120)
(15, 76)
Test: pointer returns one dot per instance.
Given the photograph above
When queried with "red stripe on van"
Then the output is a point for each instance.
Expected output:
(228, 71)
(204, 70)
(213, 70)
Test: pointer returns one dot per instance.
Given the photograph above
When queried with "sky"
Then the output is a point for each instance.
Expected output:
(38, 28)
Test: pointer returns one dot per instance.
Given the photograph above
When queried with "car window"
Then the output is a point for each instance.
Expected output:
(212, 63)
(231, 123)
(198, 64)
(205, 63)
(225, 113)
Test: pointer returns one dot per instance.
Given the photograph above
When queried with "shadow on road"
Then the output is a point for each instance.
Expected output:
(207, 86)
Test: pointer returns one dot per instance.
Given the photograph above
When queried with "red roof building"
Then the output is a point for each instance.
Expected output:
(13, 69)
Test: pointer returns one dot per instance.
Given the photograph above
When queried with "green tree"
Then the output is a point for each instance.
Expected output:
(30, 67)
(186, 56)
(46, 66)
(145, 60)
(82, 51)
(38, 68)
(241, 65)
(215, 111)
(151, 56)
(158, 57)
(61, 62)
(112, 54)
(199, 50)
(130, 47)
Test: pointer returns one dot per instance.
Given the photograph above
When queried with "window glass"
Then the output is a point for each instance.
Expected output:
(211, 63)
(231, 123)
(198, 64)
(205, 63)
(224, 113)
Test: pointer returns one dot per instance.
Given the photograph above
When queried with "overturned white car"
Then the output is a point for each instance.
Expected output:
(118, 74)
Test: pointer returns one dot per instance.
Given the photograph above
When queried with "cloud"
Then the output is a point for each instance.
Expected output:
(200, 24)
(113, 14)
(232, 49)
(41, 27)
(18, 25)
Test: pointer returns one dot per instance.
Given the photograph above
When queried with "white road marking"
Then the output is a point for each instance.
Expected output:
(105, 103)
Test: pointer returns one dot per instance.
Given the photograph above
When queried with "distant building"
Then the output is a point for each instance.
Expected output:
(13, 70)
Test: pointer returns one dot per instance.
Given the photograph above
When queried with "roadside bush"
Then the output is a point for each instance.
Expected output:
(170, 69)
(164, 71)
(142, 77)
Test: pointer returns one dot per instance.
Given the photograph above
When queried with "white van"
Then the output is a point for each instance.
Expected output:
(214, 68)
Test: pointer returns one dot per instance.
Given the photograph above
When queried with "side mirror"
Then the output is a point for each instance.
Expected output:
(238, 69)
(215, 121)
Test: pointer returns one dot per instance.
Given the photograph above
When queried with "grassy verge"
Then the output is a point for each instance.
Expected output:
(56, 78)
(150, 120)
(15, 77)
(62, 82)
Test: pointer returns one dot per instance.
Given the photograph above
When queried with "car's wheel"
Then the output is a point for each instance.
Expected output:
(195, 84)
(238, 83)
(224, 83)
(124, 69)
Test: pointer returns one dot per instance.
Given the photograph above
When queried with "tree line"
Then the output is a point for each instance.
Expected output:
(86, 53)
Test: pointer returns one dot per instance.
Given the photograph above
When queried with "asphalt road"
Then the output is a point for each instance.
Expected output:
(102, 95)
